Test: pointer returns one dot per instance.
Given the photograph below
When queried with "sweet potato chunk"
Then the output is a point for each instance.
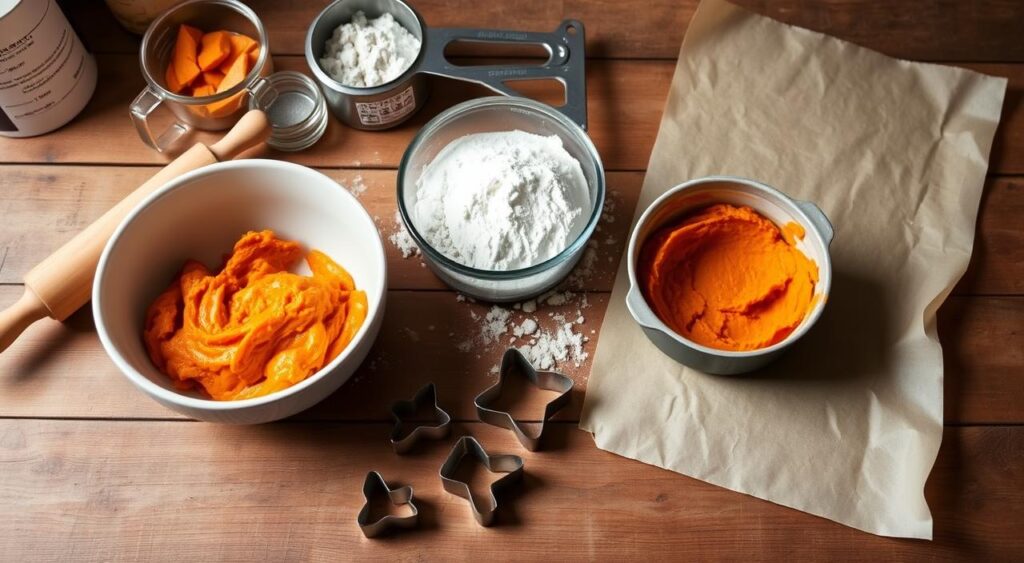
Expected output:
(213, 78)
(204, 90)
(186, 49)
(216, 49)
(194, 32)
(237, 73)
(206, 64)
(171, 79)
(240, 45)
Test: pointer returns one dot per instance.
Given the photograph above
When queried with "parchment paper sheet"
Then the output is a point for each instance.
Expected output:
(848, 423)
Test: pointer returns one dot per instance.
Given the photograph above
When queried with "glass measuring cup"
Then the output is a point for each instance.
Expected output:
(210, 113)
(388, 105)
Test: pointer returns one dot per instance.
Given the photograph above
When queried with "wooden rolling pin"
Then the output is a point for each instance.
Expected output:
(62, 283)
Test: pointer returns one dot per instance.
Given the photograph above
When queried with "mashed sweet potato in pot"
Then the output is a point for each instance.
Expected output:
(728, 278)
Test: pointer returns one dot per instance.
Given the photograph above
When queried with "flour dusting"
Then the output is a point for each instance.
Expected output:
(501, 200)
(369, 52)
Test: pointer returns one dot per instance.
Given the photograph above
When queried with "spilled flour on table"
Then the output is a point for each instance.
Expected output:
(547, 340)
(356, 187)
(495, 324)
(402, 239)
(556, 341)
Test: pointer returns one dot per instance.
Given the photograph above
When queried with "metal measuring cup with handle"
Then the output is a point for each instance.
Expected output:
(388, 105)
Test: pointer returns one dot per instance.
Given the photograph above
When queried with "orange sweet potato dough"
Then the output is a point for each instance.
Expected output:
(254, 327)
(728, 278)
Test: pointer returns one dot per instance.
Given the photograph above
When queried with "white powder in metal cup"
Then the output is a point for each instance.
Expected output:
(502, 201)
(365, 53)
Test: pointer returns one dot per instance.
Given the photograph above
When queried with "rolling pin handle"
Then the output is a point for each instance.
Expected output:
(62, 283)
(16, 318)
(252, 129)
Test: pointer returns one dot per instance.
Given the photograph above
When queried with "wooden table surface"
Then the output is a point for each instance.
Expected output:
(92, 469)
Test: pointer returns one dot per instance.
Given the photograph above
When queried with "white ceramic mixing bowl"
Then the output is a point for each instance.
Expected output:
(201, 215)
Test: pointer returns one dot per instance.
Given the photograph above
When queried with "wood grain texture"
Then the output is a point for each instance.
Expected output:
(999, 241)
(110, 490)
(930, 30)
(58, 370)
(623, 130)
(46, 205)
(983, 351)
(625, 103)
(125, 479)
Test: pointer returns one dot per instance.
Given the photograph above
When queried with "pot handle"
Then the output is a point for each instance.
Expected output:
(566, 62)
(818, 219)
(145, 103)
(640, 310)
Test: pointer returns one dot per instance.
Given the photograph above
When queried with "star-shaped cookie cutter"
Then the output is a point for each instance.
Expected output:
(511, 465)
(403, 409)
(515, 362)
(375, 485)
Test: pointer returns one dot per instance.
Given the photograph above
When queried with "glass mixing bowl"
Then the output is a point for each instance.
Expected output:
(496, 114)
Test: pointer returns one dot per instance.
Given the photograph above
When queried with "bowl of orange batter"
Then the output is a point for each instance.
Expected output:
(242, 292)
(726, 273)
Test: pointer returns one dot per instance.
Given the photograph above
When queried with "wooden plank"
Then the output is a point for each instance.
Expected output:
(1005, 154)
(997, 263)
(625, 104)
(58, 370)
(983, 348)
(932, 30)
(140, 490)
(625, 101)
(47, 205)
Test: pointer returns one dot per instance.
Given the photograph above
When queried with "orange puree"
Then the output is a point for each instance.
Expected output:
(254, 328)
(728, 278)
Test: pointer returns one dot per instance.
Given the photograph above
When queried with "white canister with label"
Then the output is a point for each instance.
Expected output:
(46, 75)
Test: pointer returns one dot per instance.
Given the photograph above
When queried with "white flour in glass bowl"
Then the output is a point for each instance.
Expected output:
(502, 200)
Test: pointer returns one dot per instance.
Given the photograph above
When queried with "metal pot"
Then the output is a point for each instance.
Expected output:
(769, 202)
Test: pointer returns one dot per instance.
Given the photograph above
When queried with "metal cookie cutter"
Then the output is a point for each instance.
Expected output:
(387, 105)
(513, 362)
(375, 485)
(404, 409)
(511, 465)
